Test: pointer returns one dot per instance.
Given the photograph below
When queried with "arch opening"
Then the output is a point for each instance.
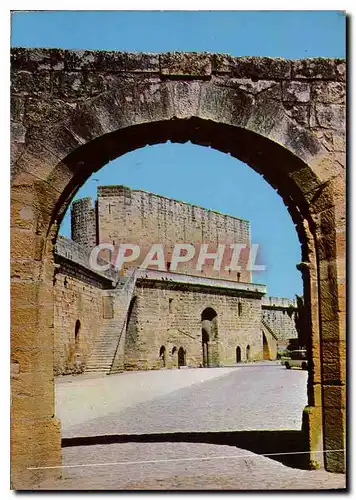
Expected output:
(280, 166)
(238, 354)
(248, 353)
(181, 357)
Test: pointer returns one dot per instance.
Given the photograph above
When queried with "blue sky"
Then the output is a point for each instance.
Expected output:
(216, 181)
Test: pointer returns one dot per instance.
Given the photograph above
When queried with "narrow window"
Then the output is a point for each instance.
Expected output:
(108, 307)
(238, 276)
(76, 333)
(170, 305)
(240, 308)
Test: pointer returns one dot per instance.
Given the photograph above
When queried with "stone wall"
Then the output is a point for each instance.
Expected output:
(135, 216)
(79, 254)
(75, 299)
(168, 315)
(279, 315)
(78, 306)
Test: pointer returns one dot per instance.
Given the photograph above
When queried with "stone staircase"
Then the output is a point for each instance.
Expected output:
(112, 334)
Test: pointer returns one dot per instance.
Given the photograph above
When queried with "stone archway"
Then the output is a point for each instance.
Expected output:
(73, 111)
(265, 347)
(181, 357)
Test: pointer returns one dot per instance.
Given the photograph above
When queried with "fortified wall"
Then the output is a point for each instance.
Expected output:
(79, 301)
(136, 318)
(125, 215)
(279, 315)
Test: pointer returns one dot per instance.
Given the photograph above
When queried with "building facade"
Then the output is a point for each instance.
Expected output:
(145, 316)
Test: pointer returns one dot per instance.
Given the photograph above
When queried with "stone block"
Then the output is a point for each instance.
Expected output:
(295, 91)
(335, 439)
(185, 64)
(87, 60)
(334, 330)
(17, 108)
(331, 116)
(142, 63)
(24, 83)
(334, 396)
(258, 68)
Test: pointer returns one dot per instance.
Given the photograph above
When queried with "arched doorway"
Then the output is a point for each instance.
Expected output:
(209, 337)
(63, 149)
(248, 353)
(266, 350)
(181, 357)
(238, 354)
(162, 356)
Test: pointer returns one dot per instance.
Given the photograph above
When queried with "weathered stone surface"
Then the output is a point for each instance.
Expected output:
(330, 116)
(17, 108)
(18, 132)
(298, 112)
(252, 67)
(185, 64)
(79, 60)
(142, 63)
(77, 84)
(45, 111)
(247, 84)
(25, 83)
(329, 92)
(296, 91)
(319, 68)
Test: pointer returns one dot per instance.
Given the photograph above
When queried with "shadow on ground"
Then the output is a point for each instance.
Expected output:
(288, 447)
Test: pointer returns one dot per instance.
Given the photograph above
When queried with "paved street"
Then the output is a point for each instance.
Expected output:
(136, 407)
(249, 397)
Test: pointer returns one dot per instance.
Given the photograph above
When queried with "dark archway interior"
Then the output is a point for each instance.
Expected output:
(248, 352)
(208, 314)
(238, 354)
